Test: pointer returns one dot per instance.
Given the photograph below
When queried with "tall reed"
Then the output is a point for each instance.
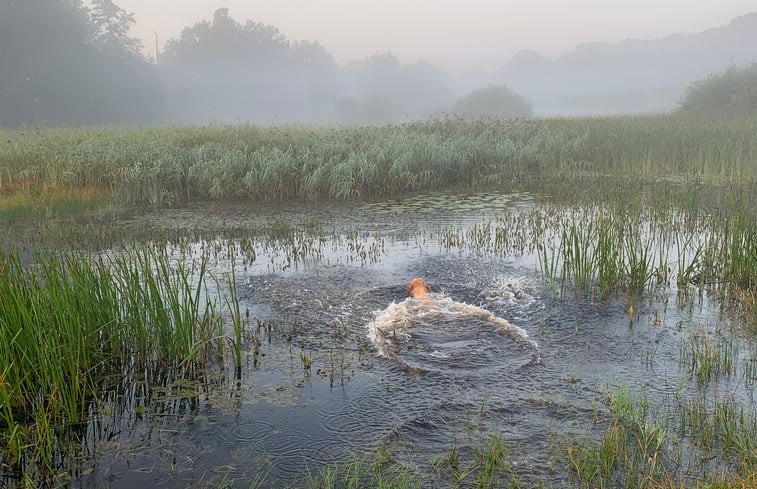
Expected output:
(67, 319)
(166, 166)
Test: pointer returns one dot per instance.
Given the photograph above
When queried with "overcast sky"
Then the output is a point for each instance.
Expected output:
(457, 35)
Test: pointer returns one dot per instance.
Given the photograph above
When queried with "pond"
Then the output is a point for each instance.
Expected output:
(340, 362)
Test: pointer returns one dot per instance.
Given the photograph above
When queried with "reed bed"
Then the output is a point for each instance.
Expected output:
(600, 249)
(69, 320)
(168, 166)
(709, 358)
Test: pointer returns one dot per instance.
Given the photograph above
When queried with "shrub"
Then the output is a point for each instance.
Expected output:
(494, 101)
(730, 93)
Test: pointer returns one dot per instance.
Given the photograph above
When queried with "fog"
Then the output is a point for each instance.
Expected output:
(64, 62)
(455, 35)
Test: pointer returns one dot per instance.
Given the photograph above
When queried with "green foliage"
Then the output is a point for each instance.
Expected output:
(730, 93)
(369, 472)
(68, 320)
(225, 43)
(494, 101)
(641, 450)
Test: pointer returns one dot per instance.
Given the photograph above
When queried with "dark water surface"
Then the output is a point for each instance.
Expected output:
(448, 374)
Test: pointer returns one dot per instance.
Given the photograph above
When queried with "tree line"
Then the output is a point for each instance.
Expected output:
(66, 62)
(62, 62)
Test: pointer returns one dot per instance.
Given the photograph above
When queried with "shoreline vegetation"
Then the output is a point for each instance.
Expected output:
(169, 166)
(672, 177)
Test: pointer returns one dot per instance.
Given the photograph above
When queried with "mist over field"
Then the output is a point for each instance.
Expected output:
(66, 62)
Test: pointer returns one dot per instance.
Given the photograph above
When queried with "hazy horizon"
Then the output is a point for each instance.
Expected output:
(63, 62)
(456, 36)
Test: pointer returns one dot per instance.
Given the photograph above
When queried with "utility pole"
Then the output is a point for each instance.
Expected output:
(156, 46)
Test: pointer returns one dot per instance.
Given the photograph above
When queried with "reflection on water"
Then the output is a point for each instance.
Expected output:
(492, 352)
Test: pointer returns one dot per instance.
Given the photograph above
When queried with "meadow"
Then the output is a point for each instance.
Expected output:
(647, 212)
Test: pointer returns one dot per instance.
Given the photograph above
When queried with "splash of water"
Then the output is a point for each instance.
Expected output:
(414, 323)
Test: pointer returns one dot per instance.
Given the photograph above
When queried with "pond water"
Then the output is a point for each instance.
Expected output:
(493, 352)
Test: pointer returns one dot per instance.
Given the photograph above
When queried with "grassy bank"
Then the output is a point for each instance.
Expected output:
(646, 448)
(169, 166)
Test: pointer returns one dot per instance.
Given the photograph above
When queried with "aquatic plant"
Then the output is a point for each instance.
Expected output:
(371, 472)
(68, 319)
(649, 207)
(708, 358)
(641, 449)
(232, 303)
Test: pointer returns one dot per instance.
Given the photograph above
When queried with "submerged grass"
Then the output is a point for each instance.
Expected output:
(485, 467)
(709, 358)
(363, 472)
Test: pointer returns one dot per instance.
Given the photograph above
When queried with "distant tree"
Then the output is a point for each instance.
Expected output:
(414, 90)
(730, 93)
(368, 111)
(129, 90)
(224, 69)
(65, 63)
(223, 41)
(494, 101)
(109, 25)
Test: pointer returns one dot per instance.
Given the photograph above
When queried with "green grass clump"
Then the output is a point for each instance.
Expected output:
(67, 320)
(374, 472)
(641, 448)
(709, 358)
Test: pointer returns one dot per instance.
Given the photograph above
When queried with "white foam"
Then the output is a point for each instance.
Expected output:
(395, 324)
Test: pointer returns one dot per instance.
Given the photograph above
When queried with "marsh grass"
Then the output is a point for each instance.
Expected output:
(167, 166)
(45, 203)
(643, 165)
(649, 199)
(709, 358)
(232, 303)
(599, 249)
(672, 447)
(68, 319)
(371, 472)
(722, 427)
